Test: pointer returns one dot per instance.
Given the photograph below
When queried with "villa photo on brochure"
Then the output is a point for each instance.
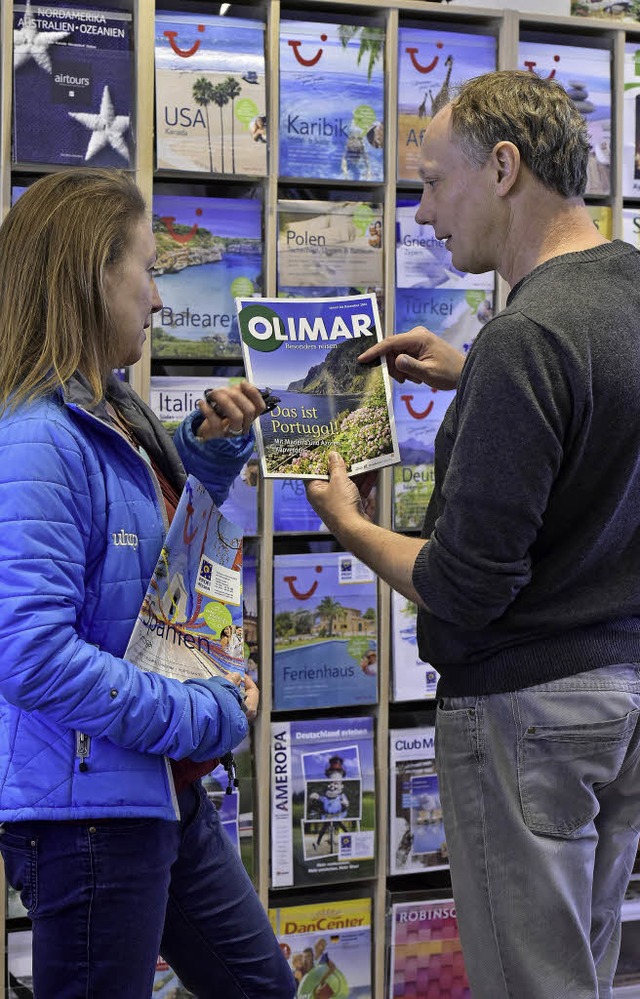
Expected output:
(306, 352)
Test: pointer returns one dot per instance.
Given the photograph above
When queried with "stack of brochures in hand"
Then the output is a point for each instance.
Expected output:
(190, 622)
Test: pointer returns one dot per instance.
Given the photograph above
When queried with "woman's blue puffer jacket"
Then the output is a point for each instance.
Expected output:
(81, 525)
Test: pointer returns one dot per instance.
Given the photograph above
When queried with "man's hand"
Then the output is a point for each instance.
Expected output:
(338, 499)
(419, 356)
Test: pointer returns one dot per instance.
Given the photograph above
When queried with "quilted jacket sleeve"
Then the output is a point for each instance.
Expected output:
(49, 538)
(215, 463)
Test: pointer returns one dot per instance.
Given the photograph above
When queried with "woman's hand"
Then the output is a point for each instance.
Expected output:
(229, 412)
(251, 693)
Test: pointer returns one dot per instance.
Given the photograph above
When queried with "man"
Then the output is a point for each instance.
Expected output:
(527, 575)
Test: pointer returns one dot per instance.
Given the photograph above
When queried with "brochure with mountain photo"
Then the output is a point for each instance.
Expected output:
(306, 351)
(73, 85)
(190, 622)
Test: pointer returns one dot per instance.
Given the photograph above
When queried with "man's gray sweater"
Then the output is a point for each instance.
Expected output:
(532, 568)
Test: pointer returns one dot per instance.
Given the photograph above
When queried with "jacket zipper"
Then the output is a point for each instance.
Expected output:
(83, 747)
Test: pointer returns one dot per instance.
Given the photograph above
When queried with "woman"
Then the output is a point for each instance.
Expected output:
(106, 830)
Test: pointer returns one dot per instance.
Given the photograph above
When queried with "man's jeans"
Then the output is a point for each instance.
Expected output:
(540, 791)
(97, 894)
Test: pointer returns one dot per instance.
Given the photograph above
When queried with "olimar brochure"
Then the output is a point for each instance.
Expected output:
(190, 621)
(306, 350)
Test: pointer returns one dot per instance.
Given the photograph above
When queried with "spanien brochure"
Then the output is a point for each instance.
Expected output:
(190, 622)
(306, 350)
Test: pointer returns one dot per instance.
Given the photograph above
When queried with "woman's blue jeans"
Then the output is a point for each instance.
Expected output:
(106, 898)
(540, 791)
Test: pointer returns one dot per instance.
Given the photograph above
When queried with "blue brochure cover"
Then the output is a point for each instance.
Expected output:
(172, 398)
(457, 314)
(291, 508)
(306, 350)
(322, 801)
(325, 631)
(420, 411)
(73, 98)
(331, 101)
(209, 251)
(423, 261)
(585, 73)
(431, 62)
(210, 94)
(417, 839)
(412, 679)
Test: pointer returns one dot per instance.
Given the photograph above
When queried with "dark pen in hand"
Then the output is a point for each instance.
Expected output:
(270, 401)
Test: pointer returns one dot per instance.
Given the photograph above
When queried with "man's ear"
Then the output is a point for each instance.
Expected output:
(505, 158)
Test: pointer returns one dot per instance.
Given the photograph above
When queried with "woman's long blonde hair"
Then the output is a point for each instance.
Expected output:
(55, 244)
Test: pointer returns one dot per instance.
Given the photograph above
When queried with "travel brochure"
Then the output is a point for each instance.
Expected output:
(331, 101)
(190, 623)
(412, 679)
(328, 947)
(455, 314)
(431, 64)
(631, 226)
(423, 261)
(322, 801)
(306, 351)
(420, 411)
(210, 94)
(631, 121)
(425, 955)
(235, 803)
(417, 840)
(602, 216)
(172, 398)
(329, 244)
(585, 74)
(325, 625)
(209, 251)
(73, 85)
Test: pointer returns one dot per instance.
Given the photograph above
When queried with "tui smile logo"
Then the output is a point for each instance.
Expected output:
(295, 45)
(408, 401)
(180, 237)
(429, 68)
(183, 53)
(298, 594)
(531, 66)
